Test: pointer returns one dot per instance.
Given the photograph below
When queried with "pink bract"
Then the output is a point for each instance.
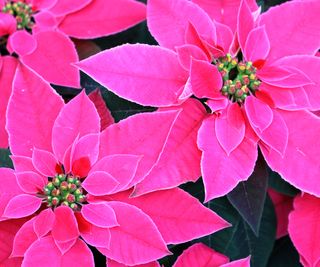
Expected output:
(202, 256)
(283, 205)
(68, 184)
(238, 84)
(43, 42)
(304, 229)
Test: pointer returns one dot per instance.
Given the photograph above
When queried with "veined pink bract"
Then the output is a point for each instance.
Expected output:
(239, 83)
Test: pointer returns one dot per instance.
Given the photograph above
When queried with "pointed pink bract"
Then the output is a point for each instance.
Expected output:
(30, 125)
(130, 79)
(22, 206)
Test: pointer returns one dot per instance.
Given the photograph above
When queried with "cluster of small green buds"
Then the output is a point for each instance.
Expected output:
(239, 78)
(64, 190)
(22, 12)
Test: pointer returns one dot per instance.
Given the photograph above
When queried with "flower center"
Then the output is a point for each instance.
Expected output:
(64, 190)
(22, 12)
(239, 78)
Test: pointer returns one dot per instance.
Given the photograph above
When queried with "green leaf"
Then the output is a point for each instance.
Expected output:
(239, 241)
(280, 185)
(5, 160)
(248, 197)
(284, 254)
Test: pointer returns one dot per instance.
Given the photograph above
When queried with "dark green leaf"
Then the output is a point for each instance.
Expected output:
(280, 185)
(248, 197)
(239, 241)
(284, 254)
(5, 160)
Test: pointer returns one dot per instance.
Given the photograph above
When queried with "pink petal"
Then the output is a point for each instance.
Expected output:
(230, 128)
(187, 52)
(45, 249)
(310, 66)
(98, 237)
(111, 263)
(45, 162)
(224, 11)
(192, 37)
(245, 23)
(8, 230)
(22, 164)
(180, 159)
(178, 216)
(128, 72)
(283, 205)
(22, 42)
(7, 72)
(218, 104)
(42, 4)
(40, 252)
(30, 126)
(100, 214)
(30, 182)
(65, 246)
(276, 134)
(63, 7)
(106, 118)
(221, 173)
(260, 115)
(8, 24)
(201, 256)
(141, 241)
(85, 154)
(304, 228)
(65, 227)
(257, 46)
(21, 206)
(79, 254)
(44, 21)
(206, 80)
(24, 239)
(114, 140)
(121, 168)
(162, 14)
(224, 36)
(101, 18)
(8, 180)
(299, 164)
(77, 118)
(44, 60)
(44, 222)
(293, 78)
(299, 35)
(238, 263)
(100, 183)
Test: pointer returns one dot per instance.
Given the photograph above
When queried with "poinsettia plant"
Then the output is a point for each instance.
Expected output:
(192, 139)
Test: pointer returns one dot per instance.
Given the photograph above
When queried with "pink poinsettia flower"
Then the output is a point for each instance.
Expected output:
(38, 34)
(202, 256)
(72, 192)
(239, 84)
(283, 205)
(304, 229)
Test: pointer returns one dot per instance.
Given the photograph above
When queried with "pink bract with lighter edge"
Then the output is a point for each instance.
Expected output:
(71, 191)
(304, 229)
(239, 84)
(202, 256)
(38, 34)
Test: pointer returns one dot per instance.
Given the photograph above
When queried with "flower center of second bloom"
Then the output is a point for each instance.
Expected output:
(64, 190)
(239, 78)
(22, 12)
